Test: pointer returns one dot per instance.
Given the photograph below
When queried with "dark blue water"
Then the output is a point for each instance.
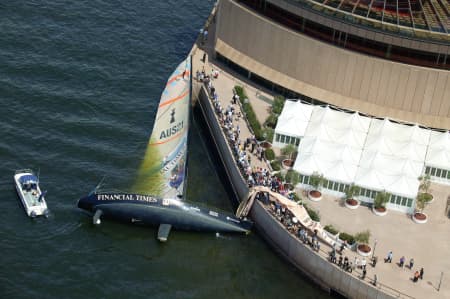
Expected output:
(79, 85)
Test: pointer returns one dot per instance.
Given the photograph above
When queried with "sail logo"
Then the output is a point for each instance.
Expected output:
(172, 116)
(171, 131)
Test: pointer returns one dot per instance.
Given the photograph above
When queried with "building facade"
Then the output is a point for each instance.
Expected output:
(365, 56)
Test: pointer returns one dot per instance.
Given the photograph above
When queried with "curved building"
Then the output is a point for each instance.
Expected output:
(384, 58)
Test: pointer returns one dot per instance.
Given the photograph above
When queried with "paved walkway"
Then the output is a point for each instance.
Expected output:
(428, 244)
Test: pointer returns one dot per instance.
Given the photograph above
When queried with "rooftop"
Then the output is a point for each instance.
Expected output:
(426, 19)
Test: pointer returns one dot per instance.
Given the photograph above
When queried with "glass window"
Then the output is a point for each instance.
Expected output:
(433, 171)
(336, 186)
(362, 191)
(398, 200)
(409, 203)
(448, 175)
(427, 170)
(297, 141)
(277, 137)
(438, 172)
(282, 137)
(341, 187)
(444, 174)
(404, 199)
(393, 197)
(288, 138)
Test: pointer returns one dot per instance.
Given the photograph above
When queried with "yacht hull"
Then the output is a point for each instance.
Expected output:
(152, 211)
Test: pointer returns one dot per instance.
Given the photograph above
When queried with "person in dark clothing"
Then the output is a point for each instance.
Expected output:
(421, 273)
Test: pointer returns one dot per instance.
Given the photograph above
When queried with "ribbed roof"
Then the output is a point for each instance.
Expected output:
(428, 15)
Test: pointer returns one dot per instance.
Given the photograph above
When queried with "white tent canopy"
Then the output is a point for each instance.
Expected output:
(376, 154)
(294, 119)
(332, 144)
(438, 154)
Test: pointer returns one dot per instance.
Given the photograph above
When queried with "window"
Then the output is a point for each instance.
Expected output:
(288, 138)
(393, 197)
(341, 187)
(297, 141)
(438, 172)
(404, 201)
(409, 204)
(362, 191)
(277, 137)
(444, 174)
(433, 171)
(398, 201)
(428, 170)
(282, 138)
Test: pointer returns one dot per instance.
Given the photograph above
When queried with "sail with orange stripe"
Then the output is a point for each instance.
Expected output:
(162, 172)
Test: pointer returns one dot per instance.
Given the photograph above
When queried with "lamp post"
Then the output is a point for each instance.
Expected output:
(374, 246)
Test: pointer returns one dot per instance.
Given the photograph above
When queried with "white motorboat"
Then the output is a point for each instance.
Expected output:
(27, 186)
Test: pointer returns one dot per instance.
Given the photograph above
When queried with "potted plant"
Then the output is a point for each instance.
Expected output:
(332, 232)
(379, 204)
(424, 186)
(289, 150)
(292, 178)
(350, 201)
(346, 239)
(363, 240)
(316, 180)
(421, 200)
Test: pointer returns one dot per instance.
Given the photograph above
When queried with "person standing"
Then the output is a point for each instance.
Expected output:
(389, 257)
(363, 263)
(402, 262)
(421, 273)
(411, 263)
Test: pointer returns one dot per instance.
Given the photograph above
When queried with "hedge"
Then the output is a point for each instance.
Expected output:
(249, 113)
(312, 213)
(276, 165)
(331, 229)
(347, 237)
(270, 155)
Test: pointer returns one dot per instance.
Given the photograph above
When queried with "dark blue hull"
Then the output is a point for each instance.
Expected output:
(152, 211)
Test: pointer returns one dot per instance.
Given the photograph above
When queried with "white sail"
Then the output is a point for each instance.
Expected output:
(163, 169)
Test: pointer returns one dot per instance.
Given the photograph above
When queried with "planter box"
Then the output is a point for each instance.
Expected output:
(351, 207)
(363, 253)
(315, 198)
(419, 221)
(378, 213)
(287, 164)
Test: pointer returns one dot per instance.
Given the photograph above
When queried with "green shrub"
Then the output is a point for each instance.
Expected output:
(381, 199)
(267, 134)
(316, 180)
(363, 237)
(331, 229)
(313, 214)
(271, 121)
(295, 196)
(270, 155)
(276, 165)
(278, 104)
(292, 177)
(347, 237)
(279, 175)
(422, 199)
(249, 113)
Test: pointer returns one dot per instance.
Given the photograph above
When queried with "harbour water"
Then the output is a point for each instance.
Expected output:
(79, 86)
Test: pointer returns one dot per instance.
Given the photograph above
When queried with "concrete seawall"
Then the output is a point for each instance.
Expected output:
(325, 274)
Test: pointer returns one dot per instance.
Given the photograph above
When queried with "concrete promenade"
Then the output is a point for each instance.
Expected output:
(428, 244)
